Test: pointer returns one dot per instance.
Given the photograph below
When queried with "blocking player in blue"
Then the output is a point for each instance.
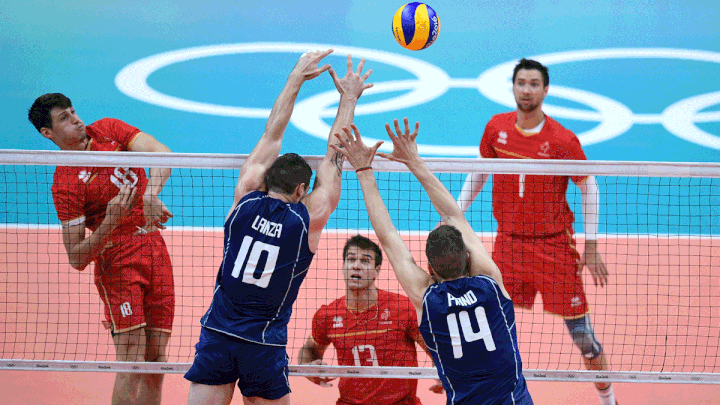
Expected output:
(466, 316)
(271, 235)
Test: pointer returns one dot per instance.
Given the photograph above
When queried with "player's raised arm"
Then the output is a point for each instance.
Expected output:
(324, 198)
(268, 147)
(412, 278)
(405, 151)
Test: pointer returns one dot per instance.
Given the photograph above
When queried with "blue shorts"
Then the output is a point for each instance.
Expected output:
(260, 370)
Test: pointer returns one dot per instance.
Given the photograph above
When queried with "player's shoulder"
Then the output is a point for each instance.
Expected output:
(64, 174)
(502, 119)
(394, 299)
(112, 129)
(100, 130)
(105, 124)
(558, 130)
(331, 308)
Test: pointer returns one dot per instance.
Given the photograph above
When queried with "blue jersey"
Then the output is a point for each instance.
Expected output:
(265, 259)
(469, 327)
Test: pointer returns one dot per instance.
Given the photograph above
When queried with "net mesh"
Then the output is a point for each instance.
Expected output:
(657, 319)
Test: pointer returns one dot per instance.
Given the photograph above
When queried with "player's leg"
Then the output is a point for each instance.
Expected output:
(261, 401)
(584, 338)
(263, 374)
(512, 258)
(159, 307)
(150, 386)
(564, 295)
(214, 370)
(128, 347)
(203, 394)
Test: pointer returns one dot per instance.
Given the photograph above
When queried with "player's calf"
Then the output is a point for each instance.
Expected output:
(583, 336)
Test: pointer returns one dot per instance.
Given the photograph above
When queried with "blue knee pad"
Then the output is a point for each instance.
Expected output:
(583, 336)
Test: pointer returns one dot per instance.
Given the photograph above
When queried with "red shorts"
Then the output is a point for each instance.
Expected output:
(546, 264)
(135, 281)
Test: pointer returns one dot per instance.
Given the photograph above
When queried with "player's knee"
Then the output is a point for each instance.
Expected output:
(583, 336)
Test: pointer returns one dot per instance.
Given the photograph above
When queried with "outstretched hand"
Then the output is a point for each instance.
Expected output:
(404, 145)
(357, 153)
(307, 65)
(353, 84)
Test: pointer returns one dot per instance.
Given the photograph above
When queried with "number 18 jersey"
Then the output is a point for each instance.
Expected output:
(265, 259)
(469, 327)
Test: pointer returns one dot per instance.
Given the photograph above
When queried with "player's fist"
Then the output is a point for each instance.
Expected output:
(321, 381)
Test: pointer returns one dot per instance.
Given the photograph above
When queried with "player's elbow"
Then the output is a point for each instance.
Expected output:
(76, 263)
(79, 266)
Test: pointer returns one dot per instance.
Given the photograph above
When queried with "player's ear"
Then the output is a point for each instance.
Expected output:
(467, 264)
(46, 132)
(300, 191)
(432, 273)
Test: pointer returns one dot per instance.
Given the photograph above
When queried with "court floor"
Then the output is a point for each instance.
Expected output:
(46, 308)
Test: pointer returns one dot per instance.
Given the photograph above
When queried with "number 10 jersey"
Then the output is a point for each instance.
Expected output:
(265, 259)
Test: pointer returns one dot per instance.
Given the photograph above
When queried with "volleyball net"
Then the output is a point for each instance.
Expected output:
(657, 318)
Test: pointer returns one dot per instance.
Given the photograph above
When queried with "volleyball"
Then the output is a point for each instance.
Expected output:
(415, 26)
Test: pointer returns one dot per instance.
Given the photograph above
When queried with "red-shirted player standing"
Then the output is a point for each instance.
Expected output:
(120, 205)
(368, 327)
(535, 244)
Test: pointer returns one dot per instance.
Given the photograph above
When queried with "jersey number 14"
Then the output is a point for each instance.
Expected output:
(465, 329)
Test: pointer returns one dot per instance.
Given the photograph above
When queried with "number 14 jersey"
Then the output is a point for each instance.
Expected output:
(265, 259)
(469, 327)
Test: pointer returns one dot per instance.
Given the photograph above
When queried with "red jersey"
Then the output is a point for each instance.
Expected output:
(530, 205)
(383, 335)
(86, 191)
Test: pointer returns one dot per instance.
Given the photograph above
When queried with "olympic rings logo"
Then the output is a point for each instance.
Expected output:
(431, 82)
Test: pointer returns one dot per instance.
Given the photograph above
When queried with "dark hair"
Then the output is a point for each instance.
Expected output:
(39, 113)
(530, 64)
(446, 252)
(364, 243)
(286, 172)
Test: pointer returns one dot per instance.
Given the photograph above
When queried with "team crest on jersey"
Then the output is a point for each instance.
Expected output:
(338, 322)
(385, 317)
(544, 149)
(84, 176)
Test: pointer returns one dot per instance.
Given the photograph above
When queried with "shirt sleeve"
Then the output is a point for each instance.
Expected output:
(319, 327)
(486, 148)
(573, 151)
(115, 130)
(67, 196)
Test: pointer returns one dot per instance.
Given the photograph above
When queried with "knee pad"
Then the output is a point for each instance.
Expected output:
(583, 336)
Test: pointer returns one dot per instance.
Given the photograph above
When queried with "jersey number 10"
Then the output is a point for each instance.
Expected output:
(468, 333)
(249, 270)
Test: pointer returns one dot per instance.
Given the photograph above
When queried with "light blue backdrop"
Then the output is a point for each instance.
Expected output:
(670, 64)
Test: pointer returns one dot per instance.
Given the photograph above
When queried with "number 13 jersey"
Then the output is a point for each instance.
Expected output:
(469, 327)
(265, 259)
